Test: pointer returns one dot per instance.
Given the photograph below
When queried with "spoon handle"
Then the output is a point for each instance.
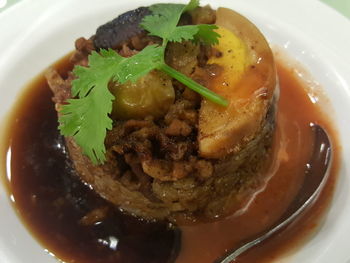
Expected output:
(316, 174)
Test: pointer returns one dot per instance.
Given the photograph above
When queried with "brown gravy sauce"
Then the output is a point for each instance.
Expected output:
(291, 152)
(51, 200)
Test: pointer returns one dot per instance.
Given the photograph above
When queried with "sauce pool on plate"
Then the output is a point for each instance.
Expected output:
(54, 204)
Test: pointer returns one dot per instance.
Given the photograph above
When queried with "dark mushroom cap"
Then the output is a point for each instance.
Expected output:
(120, 29)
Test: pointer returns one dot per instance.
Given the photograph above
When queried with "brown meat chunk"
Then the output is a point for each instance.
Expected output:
(165, 170)
(127, 52)
(177, 128)
(182, 56)
(61, 88)
(86, 46)
(83, 48)
(182, 110)
(203, 15)
(204, 168)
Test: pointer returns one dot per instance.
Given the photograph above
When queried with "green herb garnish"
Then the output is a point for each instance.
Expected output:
(86, 117)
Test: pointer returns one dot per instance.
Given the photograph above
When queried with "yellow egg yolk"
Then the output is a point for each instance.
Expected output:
(233, 59)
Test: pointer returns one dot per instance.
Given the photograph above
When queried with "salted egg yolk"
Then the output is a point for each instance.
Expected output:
(233, 60)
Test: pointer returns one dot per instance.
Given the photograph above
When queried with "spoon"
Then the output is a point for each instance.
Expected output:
(317, 171)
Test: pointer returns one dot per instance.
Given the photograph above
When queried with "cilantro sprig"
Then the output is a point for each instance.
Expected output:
(163, 23)
(86, 117)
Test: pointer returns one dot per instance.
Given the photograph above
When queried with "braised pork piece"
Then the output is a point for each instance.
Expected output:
(176, 154)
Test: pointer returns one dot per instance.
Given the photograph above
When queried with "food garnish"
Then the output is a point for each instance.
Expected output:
(86, 117)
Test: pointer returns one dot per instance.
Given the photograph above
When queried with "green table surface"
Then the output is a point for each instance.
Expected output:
(343, 6)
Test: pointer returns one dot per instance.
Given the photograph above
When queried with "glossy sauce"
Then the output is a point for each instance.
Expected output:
(291, 152)
(51, 200)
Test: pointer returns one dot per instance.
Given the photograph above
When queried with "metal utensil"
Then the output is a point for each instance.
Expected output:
(317, 172)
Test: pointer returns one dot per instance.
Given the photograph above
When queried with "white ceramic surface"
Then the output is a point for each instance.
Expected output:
(35, 33)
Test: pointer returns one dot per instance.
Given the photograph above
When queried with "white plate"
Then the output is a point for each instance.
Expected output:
(33, 34)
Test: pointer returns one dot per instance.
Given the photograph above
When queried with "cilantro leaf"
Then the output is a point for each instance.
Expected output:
(199, 33)
(181, 33)
(86, 117)
(131, 69)
(191, 5)
(206, 34)
(101, 67)
(164, 19)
